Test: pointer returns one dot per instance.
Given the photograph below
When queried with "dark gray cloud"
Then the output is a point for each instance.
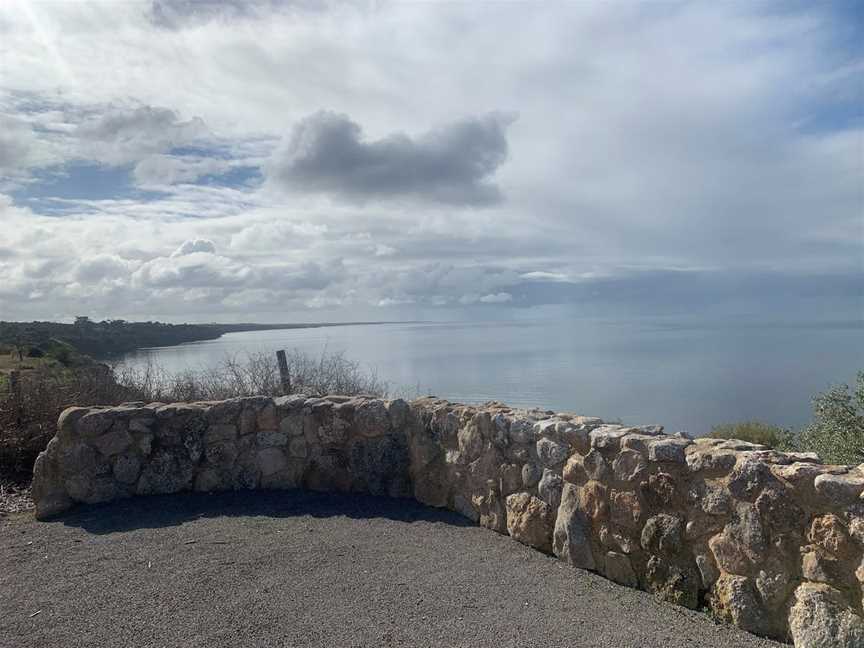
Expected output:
(452, 164)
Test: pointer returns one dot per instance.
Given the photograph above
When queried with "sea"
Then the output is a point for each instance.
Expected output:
(685, 374)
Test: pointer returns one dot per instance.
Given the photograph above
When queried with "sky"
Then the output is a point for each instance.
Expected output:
(311, 161)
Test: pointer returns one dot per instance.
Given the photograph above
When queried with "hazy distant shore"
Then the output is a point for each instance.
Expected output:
(111, 338)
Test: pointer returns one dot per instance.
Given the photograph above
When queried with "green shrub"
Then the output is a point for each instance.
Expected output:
(755, 432)
(837, 430)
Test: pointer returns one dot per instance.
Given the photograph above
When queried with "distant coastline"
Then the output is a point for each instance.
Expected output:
(108, 339)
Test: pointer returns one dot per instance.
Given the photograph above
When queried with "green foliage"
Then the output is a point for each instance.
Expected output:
(67, 342)
(755, 432)
(837, 430)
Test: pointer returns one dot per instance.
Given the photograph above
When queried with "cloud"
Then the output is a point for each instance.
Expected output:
(16, 144)
(542, 275)
(122, 135)
(274, 236)
(20, 150)
(326, 153)
(712, 137)
(191, 247)
(160, 169)
(496, 298)
(177, 14)
(103, 266)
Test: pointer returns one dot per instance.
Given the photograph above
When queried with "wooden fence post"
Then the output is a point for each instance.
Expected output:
(283, 372)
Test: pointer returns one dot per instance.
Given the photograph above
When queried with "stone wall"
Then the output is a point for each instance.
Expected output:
(768, 541)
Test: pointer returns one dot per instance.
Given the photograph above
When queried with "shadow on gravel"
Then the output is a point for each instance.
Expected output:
(170, 510)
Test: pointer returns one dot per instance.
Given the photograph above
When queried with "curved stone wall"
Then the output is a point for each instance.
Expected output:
(768, 541)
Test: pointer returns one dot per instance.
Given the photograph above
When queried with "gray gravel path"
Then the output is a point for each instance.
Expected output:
(302, 569)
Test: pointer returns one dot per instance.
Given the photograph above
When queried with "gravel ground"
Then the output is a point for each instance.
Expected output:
(302, 569)
(14, 497)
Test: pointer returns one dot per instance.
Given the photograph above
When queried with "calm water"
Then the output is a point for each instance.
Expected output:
(686, 376)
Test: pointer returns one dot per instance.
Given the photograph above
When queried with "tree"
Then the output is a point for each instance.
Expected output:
(837, 430)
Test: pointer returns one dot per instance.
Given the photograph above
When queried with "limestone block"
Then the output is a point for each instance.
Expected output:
(271, 460)
(571, 536)
(267, 418)
(701, 458)
(530, 521)
(733, 599)
(68, 420)
(142, 425)
(219, 432)
(550, 487)
(673, 581)
(501, 430)
(246, 473)
(608, 437)
(660, 490)
(820, 567)
(774, 585)
(829, 533)
(743, 544)
(292, 425)
(779, 511)
(521, 431)
(551, 453)
(94, 423)
(620, 570)
(465, 507)
(531, 474)
(48, 491)
(839, 490)
(213, 479)
(593, 501)
(493, 512)
(668, 450)
(749, 478)
(399, 412)
(576, 434)
(297, 447)
(596, 466)
(708, 571)
(625, 509)
(630, 466)
(380, 464)
(271, 439)
(222, 454)
(820, 618)
(509, 478)
(716, 501)
(662, 534)
(574, 470)
(126, 468)
(79, 458)
(371, 419)
(167, 471)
